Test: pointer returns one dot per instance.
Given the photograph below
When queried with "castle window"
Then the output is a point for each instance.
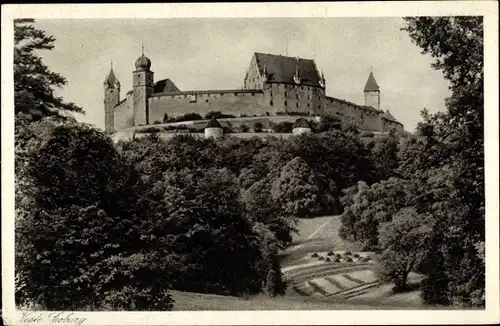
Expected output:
(297, 96)
(271, 93)
(286, 94)
(206, 101)
(285, 103)
(308, 105)
(271, 102)
(296, 105)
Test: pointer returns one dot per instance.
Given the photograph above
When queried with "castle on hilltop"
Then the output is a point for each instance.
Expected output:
(273, 85)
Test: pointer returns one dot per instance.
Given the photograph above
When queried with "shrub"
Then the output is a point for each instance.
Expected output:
(149, 130)
(314, 255)
(283, 127)
(185, 117)
(328, 259)
(321, 258)
(348, 259)
(258, 127)
(367, 134)
(244, 128)
(330, 253)
(337, 259)
(217, 115)
(347, 253)
(356, 255)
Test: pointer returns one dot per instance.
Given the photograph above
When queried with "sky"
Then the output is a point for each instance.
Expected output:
(207, 53)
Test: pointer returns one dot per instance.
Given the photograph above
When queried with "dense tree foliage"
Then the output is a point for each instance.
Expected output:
(34, 82)
(73, 228)
(117, 225)
(438, 228)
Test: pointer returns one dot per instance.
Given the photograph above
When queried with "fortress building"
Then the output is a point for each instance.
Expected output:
(273, 85)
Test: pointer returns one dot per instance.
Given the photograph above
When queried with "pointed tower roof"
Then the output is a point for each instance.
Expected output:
(371, 84)
(213, 123)
(301, 123)
(111, 79)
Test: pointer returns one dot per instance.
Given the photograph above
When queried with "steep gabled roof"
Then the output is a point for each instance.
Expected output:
(388, 116)
(301, 123)
(213, 123)
(281, 69)
(371, 84)
(165, 85)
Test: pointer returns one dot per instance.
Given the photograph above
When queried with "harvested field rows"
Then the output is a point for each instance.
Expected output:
(346, 284)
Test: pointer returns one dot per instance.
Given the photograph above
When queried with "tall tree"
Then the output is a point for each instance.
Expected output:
(34, 82)
(454, 144)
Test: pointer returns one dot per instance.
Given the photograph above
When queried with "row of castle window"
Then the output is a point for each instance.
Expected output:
(296, 95)
(296, 104)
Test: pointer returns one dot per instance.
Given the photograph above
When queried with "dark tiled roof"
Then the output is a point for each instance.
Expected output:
(301, 123)
(281, 69)
(111, 79)
(371, 84)
(165, 85)
(213, 123)
(362, 107)
(388, 116)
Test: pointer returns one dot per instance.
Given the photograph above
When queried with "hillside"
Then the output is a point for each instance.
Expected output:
(320, 264)
(315, 284)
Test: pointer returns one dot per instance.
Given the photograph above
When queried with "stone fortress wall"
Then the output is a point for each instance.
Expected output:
(273, 85)
(234, 102)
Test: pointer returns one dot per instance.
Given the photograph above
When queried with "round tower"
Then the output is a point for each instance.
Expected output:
(301, 126)
(372, 92)
(142, 89)
(214, 129)
(111, 99)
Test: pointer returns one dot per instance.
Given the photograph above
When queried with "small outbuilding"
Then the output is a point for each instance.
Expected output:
(214, 129)
(301, 126)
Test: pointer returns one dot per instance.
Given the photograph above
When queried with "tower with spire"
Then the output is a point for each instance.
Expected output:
(111, 99)
(142, 89)
(372, 92)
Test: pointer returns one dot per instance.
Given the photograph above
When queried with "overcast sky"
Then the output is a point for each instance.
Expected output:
(214, 54)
